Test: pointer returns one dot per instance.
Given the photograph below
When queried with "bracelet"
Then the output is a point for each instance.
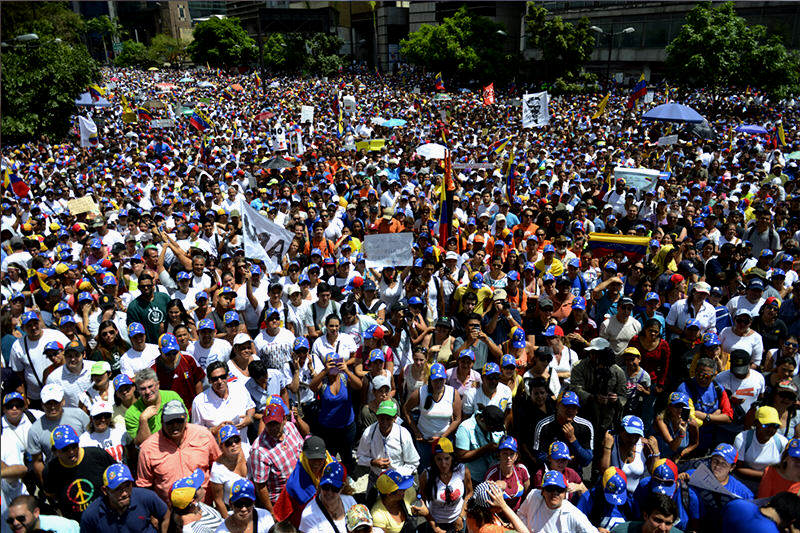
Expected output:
(608, 447)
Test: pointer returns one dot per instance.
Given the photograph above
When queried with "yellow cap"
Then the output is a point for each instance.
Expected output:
(767, 415)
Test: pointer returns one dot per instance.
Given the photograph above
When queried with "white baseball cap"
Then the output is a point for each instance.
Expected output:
(241, 338)
(98, 408)
(52, 392)
(451, 255)
(293, 288)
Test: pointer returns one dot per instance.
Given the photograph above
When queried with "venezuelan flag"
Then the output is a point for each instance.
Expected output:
(227, 93)
(498, 147)
(439, 81)
(36, 280)
(144, 114)
(639, 90)
(96, 92)
(200, 121)
(446, 207)
(12, 182)
(258, 81)
(602, 244)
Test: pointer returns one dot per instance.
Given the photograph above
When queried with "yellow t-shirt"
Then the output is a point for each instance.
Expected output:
(382, 519)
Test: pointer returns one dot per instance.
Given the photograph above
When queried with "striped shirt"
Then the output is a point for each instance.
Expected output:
(209, 521)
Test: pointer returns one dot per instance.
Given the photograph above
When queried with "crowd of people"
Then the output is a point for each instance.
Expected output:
(512, 375)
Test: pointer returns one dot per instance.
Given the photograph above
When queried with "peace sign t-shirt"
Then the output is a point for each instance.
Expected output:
(77, 486)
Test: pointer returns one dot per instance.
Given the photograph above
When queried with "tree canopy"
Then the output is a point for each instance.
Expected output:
(716, 48)
(316, 54)
(221, 42)
(463, 45)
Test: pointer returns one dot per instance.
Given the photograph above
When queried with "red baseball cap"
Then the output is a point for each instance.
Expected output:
(274, 413)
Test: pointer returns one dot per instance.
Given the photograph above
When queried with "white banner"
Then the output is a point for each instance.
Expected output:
(667, 140)
(643, 179)
(306, 114)
(263, 239)
(389, 249)
(648, 97)
(162, 123)
(88, 132)
(301, 148)
(535, 110)
(280, 138)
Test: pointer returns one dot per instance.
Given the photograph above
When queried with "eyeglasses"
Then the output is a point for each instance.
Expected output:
(706, 375)
(102, 416)
(244, 502)
(214, 379)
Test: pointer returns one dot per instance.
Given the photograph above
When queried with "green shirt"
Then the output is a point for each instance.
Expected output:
(149, 314)
(135, 411)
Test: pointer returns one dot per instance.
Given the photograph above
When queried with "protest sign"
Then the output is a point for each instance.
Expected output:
(306, 114)
(668, 140)
(82, 205)
(389, 249)
(263, 239)
(162, 123)
(474, 165)
(703, 478)
(371, 145)
(349, 105)
(280, 137)
(642, 179)
(648, 98)
(534, 110)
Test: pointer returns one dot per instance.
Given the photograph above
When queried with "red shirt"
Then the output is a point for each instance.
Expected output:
(182, 378)
(655, 362)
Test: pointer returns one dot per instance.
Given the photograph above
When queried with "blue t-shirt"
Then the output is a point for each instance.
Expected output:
(471, 437)
(100, 518)
(610, 514)
(745, 516)
(693, 512)
(713, 503)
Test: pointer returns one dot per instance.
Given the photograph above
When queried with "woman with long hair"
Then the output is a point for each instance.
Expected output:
(675, 429)
(444, 488)
(110, 345)
(177, 315)
(440, 340)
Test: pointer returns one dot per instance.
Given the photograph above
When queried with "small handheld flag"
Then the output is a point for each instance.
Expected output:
(96, 92)
(12, 182)
(144, 114)
(781, 134)
(601, 107)
(200, 121)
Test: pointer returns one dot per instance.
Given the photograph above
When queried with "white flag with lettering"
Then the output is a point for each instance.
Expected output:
(264, 239)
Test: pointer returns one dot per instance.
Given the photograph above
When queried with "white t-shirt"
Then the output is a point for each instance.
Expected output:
(249, 313)
(475, 397)
(220, 350)
(344, 345)
(759, 456)
(19, 359)
(133, 360)
(265, 522)
(751, 344)
(222, 476)
(275, 350)
(12, 455)
(313, 521)
(747, 389)
(75, 385)
(113, 440)
(540, 518)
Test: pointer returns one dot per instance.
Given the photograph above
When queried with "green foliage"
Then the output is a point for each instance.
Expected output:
(572, 84)
(166, 49)
(717, 48)
(316, 54)
(40, 85)
(221, 42)
(565, 46)
(46, 19)
(133, 54)
(464, 44)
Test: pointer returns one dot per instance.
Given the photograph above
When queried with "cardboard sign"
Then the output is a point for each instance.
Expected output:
(389, 249)
(82, 205)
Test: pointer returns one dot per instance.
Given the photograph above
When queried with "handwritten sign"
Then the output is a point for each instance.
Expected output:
(389, 249)
(306, 114)
(82, 205)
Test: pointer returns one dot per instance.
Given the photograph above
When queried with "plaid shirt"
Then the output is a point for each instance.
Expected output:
(272, 461)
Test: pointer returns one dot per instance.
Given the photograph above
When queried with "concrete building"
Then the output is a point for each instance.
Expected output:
(142, 20)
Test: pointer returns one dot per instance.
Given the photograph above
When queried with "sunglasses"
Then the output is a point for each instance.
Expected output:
(244, 502)
(331, 488)
(233, 440)
(214, 379)
(11, 519)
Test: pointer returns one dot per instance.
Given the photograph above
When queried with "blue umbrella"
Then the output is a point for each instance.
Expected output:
(393, 123)
(673, 113)
(751, 129)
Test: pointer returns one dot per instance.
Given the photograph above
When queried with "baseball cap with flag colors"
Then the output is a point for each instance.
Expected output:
(615, 485)
(391, 480)
(183, 490)
(63, 436)
(115, 475)
(665, 474)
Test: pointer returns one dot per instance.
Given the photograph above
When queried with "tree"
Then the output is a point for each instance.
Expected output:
(275, 51)
(166, 49)
(465, 44)
(565, 47)
(221, 42)
(315, 54)
(40, 85)
(103, 27)
(46, 19)
(717, 49)
(322, 54)
(133, 54)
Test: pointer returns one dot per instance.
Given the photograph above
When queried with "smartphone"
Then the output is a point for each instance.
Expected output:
(685, 411)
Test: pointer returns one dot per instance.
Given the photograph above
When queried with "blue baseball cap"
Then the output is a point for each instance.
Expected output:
(508, 443)
(558, 450)
(11, 396)
(122, 380)
(85, 297)
(206, 323)
(135, 328)
(611, 265)
(376, 355)
(508, 360)
(727, 452)
(549, 248)
(168, 343)
(652, 297)
(63, 436)
(467, 352)
(255, 270)
(633, 424)
(17, 296)
(711, 339)
(183, 275)
(570, 398)
(615, 486)
(692, 323)
(415, 300)
(391, 480)
(227, 291)
(574, 262)
(476, 281)
(490, 369)
(793, 448)
(226, 432)
(28, 316)
(554, 478)
(53, 345)
(201, 295)
(300, 343)
(518, 339)
(664, 477)
(333, 475)
(679, 398)
(116, 474)
(231, 317)
(109, 280)
(438, 371)
(243, 489)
